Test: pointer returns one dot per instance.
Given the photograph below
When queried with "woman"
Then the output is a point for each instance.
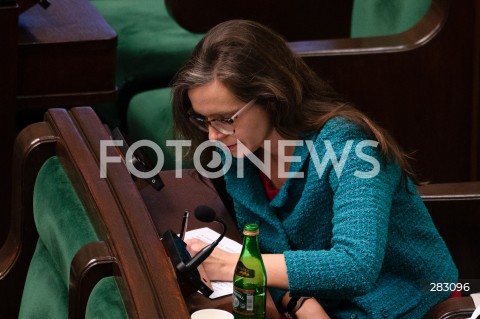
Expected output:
(340, 219)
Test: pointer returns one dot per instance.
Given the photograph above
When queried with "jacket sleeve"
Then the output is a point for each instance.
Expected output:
(362, 187)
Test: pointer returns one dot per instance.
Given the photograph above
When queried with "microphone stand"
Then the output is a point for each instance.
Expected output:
(207, 250)
(189, 277)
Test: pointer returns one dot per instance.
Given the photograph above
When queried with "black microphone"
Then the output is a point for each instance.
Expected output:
(207, 215)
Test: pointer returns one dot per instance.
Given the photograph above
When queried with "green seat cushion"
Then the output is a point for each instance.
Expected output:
(105, 301)
(63, 227)
(150, 42)
(60, 217)
(149, 117)
(384, 17)
(151, 48)
(45, 295)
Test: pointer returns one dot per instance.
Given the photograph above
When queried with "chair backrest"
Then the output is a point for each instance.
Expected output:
(379, 17)
(74, 136)
(298, 20)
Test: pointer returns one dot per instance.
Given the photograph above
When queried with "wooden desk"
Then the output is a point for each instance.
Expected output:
(166, 208)
(59, 57)
(66, 56)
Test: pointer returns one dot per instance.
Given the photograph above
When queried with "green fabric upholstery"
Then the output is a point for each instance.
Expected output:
(150, 42)
(105, 301)
(384, 17)
(150, 117)
(61, 220)
(151, 47)
(63, 227)
(45, 294)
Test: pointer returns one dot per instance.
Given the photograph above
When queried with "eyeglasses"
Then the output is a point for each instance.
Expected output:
(224, 126)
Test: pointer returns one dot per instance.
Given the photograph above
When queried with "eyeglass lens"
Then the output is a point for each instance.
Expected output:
(221, 126)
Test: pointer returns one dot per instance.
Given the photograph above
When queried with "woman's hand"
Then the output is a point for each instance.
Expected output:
(311, 309)
(220, 265)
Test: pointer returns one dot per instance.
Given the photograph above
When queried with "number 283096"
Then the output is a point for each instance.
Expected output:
(445, 286)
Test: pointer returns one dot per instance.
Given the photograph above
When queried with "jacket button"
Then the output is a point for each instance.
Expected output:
(385, 314)
(353, 316)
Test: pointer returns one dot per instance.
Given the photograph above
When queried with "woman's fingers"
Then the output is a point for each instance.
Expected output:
(195, 245)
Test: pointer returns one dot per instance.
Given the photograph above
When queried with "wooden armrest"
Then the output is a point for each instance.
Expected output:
(450, 191)
(91, 263)
(452, 308)
(33, 146)
(420, 34)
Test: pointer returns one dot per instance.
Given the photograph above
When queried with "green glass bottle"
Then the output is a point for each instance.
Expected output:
(250, 278)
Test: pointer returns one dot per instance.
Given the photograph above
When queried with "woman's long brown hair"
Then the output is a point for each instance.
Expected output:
(254, 62)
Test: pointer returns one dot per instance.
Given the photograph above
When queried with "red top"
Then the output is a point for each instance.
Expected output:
(268, 185)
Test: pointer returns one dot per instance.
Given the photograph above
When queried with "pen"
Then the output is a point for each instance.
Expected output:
(184, 223)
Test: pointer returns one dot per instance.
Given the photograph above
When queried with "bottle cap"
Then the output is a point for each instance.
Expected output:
(250, 230)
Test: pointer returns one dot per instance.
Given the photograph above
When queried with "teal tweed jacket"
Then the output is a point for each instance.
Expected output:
(353, 237)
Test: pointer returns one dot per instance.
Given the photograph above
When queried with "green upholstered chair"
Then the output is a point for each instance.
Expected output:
(372, 18)
(151, 48)
(305, 20)
(80, 244)
(149, 117)
(64, 228)
(150, 43)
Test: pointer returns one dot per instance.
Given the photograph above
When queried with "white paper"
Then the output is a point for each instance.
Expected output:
(220, 288)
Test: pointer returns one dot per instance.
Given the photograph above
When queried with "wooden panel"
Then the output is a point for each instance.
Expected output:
(142, 233)
(66, 56)
(63, 56)
(295, 20)
(8, 58)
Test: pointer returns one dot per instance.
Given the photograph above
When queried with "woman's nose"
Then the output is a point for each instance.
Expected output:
(213, 134)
